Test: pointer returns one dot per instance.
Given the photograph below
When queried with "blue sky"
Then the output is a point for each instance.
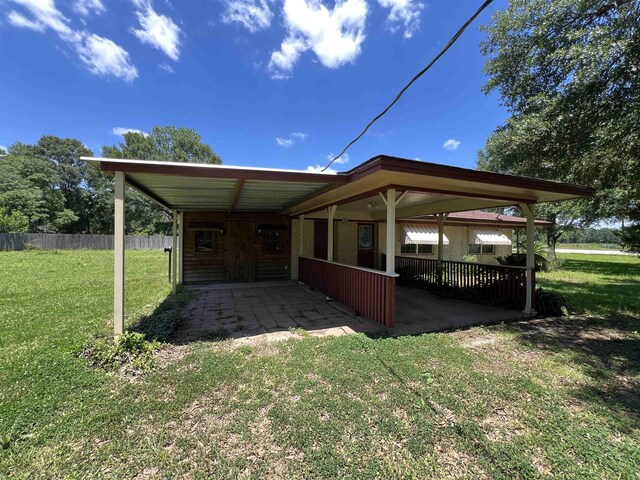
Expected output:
(272, 83)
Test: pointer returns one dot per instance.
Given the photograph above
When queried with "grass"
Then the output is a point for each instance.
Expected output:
(605, 285)
(525, 400)
(588, 246)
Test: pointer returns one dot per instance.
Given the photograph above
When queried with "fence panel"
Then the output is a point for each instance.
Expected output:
(63, 241)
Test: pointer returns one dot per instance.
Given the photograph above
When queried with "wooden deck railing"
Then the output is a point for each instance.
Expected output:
(369, 292)
(498, 284)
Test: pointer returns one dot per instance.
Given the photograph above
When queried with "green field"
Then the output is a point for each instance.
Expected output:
(588, 246)
(525, 400)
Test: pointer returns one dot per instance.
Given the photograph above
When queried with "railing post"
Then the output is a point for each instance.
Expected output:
(441, 217)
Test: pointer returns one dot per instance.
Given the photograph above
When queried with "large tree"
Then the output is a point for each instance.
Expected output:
(567, 71)
(167, 143)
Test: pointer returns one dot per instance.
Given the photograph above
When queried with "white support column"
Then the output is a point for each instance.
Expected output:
(174, 252)
(118, 256)
(331, 213)
(529, 212)
(441, 217)
(181, 248)
(301, 235)
(391, 230)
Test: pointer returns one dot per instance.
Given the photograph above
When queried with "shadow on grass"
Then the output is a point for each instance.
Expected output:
(608, 351)
(166, 322)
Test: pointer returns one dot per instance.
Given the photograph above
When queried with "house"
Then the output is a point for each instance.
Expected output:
(330, 231)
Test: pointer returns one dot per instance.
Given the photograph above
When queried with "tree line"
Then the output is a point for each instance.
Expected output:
(46, 188)
(567, 71)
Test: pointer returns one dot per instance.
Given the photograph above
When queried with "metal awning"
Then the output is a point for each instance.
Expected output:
(422, 235)
(425, 188)
(488, 236)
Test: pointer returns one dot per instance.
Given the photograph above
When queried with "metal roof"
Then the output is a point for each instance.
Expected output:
(422, 234)
(428, 188)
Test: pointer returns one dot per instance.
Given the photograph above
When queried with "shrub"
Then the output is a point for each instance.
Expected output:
(550, 304)
(131, 353)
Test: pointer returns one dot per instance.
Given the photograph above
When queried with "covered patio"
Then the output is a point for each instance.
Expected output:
(248, 224)
(267, 311)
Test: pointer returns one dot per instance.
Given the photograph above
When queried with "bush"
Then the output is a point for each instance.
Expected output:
(520, 260)
(550, 304)
(131, 353)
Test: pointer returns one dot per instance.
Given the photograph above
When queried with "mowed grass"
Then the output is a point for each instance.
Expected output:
(527, 400)
(588, 246)
(606, 285)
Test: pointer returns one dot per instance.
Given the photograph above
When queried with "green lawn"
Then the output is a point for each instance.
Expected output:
(588, 246)
(525, 400)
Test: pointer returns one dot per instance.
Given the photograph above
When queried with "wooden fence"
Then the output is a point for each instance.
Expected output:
(497, 284)
(368, 292)
(60, 241)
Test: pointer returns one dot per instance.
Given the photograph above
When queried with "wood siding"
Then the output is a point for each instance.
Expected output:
(240, 254)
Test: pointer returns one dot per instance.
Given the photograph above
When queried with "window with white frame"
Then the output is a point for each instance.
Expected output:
(416, 249)
(481, 249)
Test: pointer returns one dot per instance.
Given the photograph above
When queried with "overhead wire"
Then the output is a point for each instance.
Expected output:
(412, 81)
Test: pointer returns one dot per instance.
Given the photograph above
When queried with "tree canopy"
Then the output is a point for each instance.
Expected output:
(166, 144)
(567, 71)
(45, 187)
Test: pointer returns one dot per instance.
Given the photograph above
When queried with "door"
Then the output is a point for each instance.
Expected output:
(240, 261)
(320, 239)
(366, 246)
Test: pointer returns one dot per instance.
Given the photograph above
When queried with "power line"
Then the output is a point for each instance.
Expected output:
(416, 77)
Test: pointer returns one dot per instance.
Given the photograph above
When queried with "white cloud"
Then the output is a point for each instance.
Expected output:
(20, 21)
(103, 57)
(157, 30)
(167, 68)
(284, 142)
(88, 7)
(293, 138)
(343, 159)
(254, 15)
(318, 169)
(123, 130)
(451, 144)
(100, 55)
(334, 36)
(405, 13)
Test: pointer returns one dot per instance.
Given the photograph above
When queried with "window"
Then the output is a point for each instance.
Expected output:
(425, 249)
(416, 248)
(476, 248)
(408, 248)
(272, 240)
(204, 241)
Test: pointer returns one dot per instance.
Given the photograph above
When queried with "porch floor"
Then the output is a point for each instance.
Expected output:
(280, 310)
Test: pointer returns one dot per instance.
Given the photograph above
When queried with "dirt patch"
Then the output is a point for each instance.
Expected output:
(502, 424)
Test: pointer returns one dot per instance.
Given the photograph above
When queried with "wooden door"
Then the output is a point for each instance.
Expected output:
(366, 245)
(320, 239)
(241, 246)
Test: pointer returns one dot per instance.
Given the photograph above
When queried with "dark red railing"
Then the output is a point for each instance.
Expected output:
(499, 284)
(369, 292)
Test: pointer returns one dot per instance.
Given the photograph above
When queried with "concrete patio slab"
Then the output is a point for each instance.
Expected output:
(269, 311)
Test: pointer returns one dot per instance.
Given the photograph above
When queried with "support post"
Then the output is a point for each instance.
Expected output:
(301, 235)
(331, 213)
(441, 217)
(529, 212)
(174, 251)
(391, 230)
(181, 248)
(118, 255)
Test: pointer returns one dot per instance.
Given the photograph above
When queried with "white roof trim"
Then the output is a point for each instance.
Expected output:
(203, 165)
(488, 236)
(422, 234)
